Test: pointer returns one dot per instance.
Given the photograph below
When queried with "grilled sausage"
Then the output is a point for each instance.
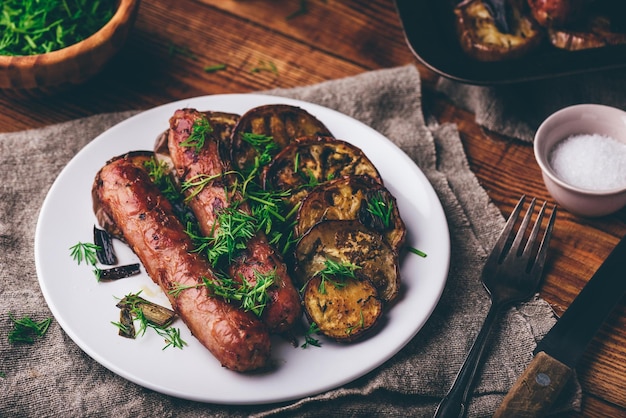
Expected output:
(209, 161)
(129, 204)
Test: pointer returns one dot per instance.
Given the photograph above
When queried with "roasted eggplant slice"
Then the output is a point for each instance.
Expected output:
(596, 32)
(481, 39)
(283, 123)
(353, 197)
(343, 308)
(309, 161)
(349, 242)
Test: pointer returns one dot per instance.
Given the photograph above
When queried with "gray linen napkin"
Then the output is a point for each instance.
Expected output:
(54, 377)
(517, 110)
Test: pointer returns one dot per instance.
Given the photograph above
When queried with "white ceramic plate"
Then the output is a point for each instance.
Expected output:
(85, 308)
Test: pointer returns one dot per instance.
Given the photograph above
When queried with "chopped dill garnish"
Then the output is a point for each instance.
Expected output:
(30, 27)
(26, 330)
(265, 66)
(309, 340)
(214, 68)
(197, 183)
(381, 208)
(170, 334)
(417, 252)
(159, 174)
(232, 231)
(336, 273)
(200, 129)
(252, 296)
(86, 252)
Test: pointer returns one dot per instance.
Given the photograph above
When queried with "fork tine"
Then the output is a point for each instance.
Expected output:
(505, 235)
(519, 237)
(543, 248)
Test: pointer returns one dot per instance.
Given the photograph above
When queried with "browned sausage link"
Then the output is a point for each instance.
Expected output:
(259, 257)
(284, 307)
(124, 191)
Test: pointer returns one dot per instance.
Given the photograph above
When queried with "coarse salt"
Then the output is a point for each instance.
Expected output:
(593, 162)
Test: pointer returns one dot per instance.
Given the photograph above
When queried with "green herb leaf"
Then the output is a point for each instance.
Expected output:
(232, 231)
(251, 295)
(381, 208)
(309, 340)
(27, 330)
(200, 129)
(86, 252)
(170, 334)
(336, 273)
(265, 66)
(417, 252)
(214, 68)
(30, 27)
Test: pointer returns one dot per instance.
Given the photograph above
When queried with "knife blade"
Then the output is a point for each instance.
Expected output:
(558, 352)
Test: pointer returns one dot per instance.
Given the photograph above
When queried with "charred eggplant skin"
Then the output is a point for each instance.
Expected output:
(283, 123)
(309, 161)
(480, 38)
(350, 198)
(133, 206)
(349, 241)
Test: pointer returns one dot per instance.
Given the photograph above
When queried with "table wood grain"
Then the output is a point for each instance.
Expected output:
(173, 42)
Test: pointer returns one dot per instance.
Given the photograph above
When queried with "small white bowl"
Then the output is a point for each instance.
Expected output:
(585, 119)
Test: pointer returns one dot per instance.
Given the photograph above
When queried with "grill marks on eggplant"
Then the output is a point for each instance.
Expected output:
(284, 123)
(309, 161)
(353, 198)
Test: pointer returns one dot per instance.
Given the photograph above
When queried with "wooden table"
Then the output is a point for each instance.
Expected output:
(173, 42)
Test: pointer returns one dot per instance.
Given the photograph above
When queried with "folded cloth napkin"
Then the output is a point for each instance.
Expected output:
(517, 110)
(53, 377)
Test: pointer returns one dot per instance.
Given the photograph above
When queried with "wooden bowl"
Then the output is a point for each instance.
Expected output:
(52, 72)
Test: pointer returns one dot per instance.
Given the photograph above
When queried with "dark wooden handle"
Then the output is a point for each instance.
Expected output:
(536, 389)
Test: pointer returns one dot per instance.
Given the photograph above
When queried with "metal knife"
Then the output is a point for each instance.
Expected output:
(558, 352)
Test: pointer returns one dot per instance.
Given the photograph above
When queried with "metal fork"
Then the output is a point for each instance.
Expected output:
(511, 274)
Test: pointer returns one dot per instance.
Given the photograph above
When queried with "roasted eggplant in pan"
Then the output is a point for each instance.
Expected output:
(353, 197)
(557, 13)
(480, 37)
(352, 243)
(309, 161)
(595, 31)
(283, 123)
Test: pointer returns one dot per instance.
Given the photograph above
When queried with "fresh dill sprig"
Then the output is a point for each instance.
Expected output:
(417, 252)
(264, 145)
(265, 66)
(159, 174)
(379, 207)
(231, 232)
(86, 252)
(309, 340)
(336, 273)
(251, 295)
(170, 334)
(199, 182)
(199, 130)
(26, 330)
(214, 68)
